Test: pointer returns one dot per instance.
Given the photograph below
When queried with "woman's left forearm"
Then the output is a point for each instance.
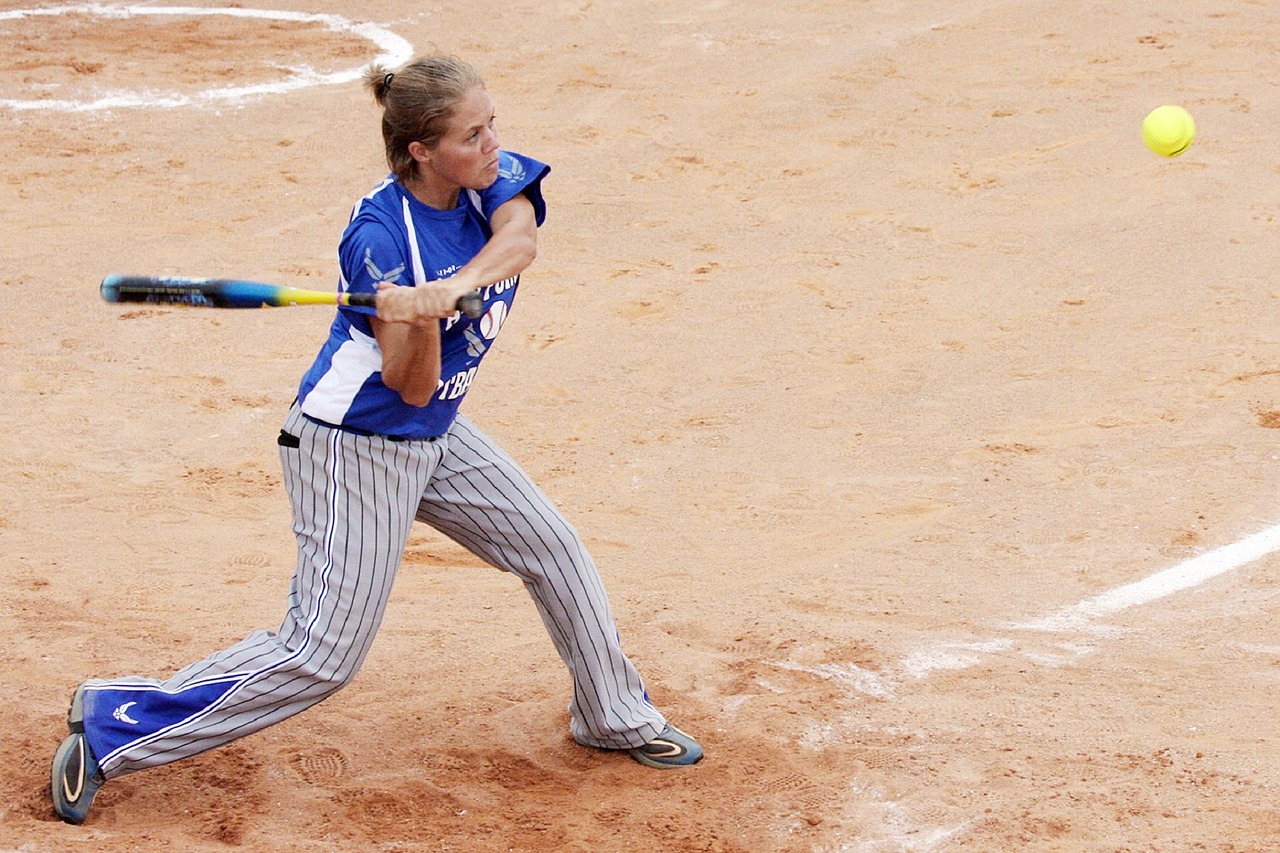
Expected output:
(510, 250)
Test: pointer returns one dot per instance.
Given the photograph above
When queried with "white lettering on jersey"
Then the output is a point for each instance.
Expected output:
(501, 287)
(456, 385)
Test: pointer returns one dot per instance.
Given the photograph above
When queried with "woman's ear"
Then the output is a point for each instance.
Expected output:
(420, 152)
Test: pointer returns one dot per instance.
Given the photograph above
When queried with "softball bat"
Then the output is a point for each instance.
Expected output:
(234, 293)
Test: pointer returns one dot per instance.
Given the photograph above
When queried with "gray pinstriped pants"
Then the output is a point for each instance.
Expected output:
(354, 499)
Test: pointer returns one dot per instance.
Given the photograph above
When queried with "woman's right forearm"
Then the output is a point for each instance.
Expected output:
(410, 359)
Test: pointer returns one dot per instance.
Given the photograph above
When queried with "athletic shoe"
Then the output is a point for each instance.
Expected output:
(74, 777)
(671, 748)
(75, 713)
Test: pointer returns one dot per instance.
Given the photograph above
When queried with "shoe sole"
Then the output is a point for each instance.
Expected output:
(661, 765)
(62, 798)
(75, 724)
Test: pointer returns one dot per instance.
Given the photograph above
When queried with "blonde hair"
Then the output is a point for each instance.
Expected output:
(417, 101)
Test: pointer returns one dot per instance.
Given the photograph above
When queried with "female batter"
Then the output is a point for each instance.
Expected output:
(374, 442)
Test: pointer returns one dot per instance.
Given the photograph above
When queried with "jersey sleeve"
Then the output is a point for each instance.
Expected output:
(516, 174)
(370, 253)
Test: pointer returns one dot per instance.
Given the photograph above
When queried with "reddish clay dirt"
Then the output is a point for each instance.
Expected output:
(862, 336)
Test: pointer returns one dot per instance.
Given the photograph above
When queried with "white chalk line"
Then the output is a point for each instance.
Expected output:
(394, 51)
(1079, 618)
(900, 826)
(1184, 575)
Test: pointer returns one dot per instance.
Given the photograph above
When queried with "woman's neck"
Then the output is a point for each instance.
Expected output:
(437, 197)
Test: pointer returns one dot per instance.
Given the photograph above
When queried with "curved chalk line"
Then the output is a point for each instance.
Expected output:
(394, 51)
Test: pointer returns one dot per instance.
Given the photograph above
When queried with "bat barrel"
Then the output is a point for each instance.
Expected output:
(200, 292)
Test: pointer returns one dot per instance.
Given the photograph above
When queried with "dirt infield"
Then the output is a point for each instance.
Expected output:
(868, 348)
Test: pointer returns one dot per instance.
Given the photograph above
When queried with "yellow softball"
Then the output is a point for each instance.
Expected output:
(1168, 130)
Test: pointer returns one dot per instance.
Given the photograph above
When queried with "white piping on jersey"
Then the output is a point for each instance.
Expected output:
(390, 179)
(419, 272)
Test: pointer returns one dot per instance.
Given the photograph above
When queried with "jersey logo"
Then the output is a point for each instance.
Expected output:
(491, 322)
(511, 169)
(122, 713)
(479, 341)
(392, 276)
(476, 345)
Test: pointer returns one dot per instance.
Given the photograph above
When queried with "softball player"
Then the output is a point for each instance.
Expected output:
(374, 442)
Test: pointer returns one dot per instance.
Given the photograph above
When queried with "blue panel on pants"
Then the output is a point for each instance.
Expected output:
(117, 715)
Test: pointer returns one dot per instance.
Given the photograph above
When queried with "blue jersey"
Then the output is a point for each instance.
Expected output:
(393, 237)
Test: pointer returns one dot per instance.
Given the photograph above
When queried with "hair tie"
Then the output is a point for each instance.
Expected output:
(386, 81)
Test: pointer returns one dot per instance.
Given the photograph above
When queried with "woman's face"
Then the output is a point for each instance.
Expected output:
(466, 156)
